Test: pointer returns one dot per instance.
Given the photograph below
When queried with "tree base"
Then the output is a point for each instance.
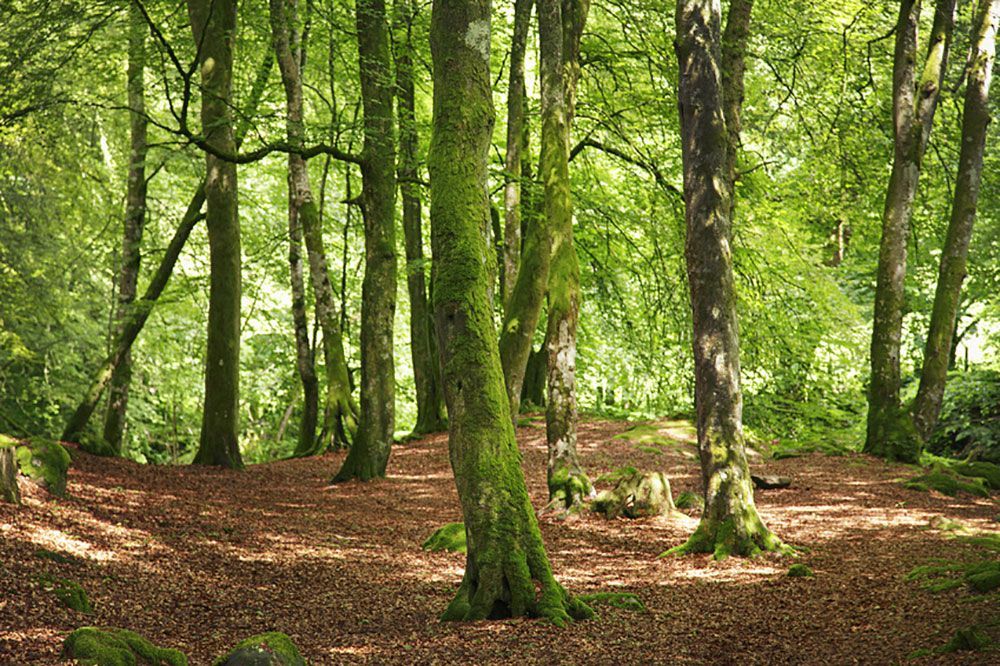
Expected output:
(568, 493)
(722, 539)
(894, 437)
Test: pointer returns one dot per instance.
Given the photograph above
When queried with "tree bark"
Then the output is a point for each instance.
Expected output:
(975, 121)
(213, 23)
(560, 24)
(730, 523)
(516, 99)
(135, 217)
(423, 346)
(289, 51)
(369, 454)
(507, 571)
(890, 432)
(9, 490)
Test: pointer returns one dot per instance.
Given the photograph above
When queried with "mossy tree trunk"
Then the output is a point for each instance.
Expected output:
(370, 452)
(213, 23)
(423, 346)
(890, 433)
(975, 121)
(135, 218)
(516, 102)
(507, 571)
(290, 54)
(9, 490)
(730, 523)
(560, 24)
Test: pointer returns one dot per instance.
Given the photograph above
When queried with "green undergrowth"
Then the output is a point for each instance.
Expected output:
(947, 483)
(657, 437)
(271, 648)
(625, 600)
(830, 444)
(985, 472)
(451, 537)
(69, 593)
(966, 639)
(979, 576)
(54, 556)
(110, 646)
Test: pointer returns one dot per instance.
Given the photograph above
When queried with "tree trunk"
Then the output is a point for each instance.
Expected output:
(213, 23)
(370, 452)
(140, 311)
(559, 36)
(289, 51)
(533, 387)
(507, 571)
(516, 98)
(730, 523)
(890, 432)
(975, 120)
(135, 217)
(423, 347)
(9, 490)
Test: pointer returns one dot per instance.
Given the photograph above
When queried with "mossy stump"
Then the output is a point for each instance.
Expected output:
(109, 646)
(636, 495)
(46, 463)
(271, 648)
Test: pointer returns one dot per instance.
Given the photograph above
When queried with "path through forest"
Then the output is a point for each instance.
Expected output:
(197, 558)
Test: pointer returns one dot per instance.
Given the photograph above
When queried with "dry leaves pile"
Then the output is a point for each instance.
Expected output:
(198, 559)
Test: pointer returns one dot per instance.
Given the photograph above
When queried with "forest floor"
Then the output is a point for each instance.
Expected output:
(199, 558)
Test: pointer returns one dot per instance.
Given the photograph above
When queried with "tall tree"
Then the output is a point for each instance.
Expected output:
(516, 139)
(370, 452)
(507, 572)
(135, 217)
(975, 121)
(213, 23)
(890, 432)
(729, 523)
(560, 25)
(423, 346)
(290, 54)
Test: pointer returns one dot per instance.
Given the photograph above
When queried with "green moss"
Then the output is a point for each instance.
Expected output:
(967, 639)
(617, 475)
(982, 576)
(45, 462)
(59, 558)
(689, 500)
(799, 570)
(70, 593)
(451, 537)
(988, 472)
(271, 648)
(7, 441)
(947, 484)
(109, 646)
(625, 600)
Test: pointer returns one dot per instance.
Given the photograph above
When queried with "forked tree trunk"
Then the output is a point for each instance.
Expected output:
(423, 346)
(730, 523)
(369, 454)
(560, 24)
(290, 54)
(975, 121)
(890, 432)
(507, 571)
(135, 217)
(213, 23)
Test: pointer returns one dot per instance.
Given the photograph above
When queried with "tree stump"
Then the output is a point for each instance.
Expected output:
(636, 495)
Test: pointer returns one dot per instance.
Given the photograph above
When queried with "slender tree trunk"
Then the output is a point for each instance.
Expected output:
(9, 490)
(213, 23)
(516, 97)
(135, 217)
(370, 452)
(890, 432)
(139, 311)
(290, 54)
(975, 121)
(507, 572)
(730, 523)
(559, 36)
(423, 347)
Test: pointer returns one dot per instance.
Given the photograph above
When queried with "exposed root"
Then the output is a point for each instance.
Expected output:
(723, 539)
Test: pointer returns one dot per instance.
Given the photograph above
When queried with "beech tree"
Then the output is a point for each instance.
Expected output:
(507, 572)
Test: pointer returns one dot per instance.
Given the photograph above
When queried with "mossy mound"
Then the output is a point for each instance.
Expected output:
(70, 593)
(638, 495)
(271, 648)
(451, 537)
(947, 483)
(109, 646)
(966, 639)
(988, 472)
(799, 570)
(625, 600)
(981, 577)
(689, 500)
(45, 462)
(656, 437)
(58, 558)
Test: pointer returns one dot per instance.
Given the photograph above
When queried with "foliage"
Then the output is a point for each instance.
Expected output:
(969, 426)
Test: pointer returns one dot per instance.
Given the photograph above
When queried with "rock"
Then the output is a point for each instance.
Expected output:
(271, 648)
(636, 495)
(109, 646)
(770, 482)
(45, 462)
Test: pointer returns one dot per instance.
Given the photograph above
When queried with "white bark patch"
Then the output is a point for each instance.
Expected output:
(477, 37)
(207, 66)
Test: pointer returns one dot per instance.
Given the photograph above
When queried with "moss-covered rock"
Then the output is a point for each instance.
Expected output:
(70, 593)
(109, 646)
(689, 500)
(271, 648)
(451, 537)
(988, 472)
(947, 483)
(638, 495)
(45, 462)
(799, 570)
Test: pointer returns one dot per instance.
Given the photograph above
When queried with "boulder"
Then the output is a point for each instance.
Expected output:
(271, 648)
